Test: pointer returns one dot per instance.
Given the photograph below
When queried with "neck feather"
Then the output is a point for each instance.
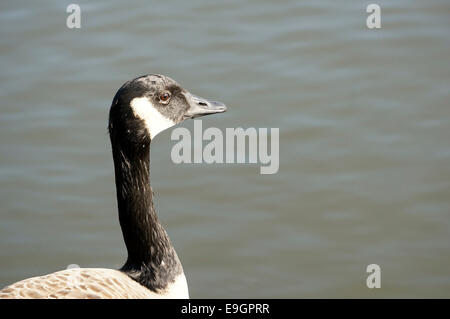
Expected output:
(152, 260)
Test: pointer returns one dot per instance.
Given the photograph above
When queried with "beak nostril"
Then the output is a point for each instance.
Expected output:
(202, 103)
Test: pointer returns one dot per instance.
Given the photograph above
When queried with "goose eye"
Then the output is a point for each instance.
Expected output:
(164, 97)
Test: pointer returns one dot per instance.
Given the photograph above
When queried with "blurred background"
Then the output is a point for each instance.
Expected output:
(364, 124)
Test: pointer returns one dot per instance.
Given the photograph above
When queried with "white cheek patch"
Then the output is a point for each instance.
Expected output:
(154, 121)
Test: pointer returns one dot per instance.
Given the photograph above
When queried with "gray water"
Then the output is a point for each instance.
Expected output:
(364, 124)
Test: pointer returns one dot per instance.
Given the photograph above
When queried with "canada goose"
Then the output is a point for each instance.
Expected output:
(141, 109)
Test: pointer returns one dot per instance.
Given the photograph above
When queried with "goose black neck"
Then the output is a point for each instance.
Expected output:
(152, 260)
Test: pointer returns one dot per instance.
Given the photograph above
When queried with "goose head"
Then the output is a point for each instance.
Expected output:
(152, 103)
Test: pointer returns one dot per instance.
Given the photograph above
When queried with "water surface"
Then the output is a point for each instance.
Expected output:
(364, 124)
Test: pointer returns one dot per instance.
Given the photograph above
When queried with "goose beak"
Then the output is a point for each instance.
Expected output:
(200, 106)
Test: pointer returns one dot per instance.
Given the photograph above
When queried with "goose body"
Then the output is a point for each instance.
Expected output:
(90, 283)
(141, 109)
